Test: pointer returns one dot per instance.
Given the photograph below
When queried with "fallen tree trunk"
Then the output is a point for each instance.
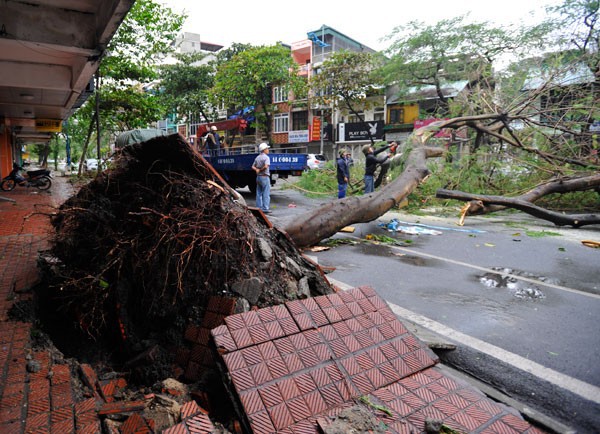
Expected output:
(325, 221)
(485, 204)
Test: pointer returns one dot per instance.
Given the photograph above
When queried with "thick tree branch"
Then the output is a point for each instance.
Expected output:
(484, 204)
(325, 221)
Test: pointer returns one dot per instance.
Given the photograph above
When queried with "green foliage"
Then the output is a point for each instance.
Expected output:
(185, 86)
(450, 50)
(249, 77)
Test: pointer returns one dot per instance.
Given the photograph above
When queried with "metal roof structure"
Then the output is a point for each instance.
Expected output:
(49, 52)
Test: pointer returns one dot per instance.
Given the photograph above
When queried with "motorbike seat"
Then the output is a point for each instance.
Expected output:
(39, 172)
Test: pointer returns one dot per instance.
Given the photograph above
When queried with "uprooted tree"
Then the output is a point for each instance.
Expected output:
(140, 249)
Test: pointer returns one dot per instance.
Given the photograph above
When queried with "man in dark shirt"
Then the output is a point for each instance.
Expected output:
(372, 162)
(343, 173)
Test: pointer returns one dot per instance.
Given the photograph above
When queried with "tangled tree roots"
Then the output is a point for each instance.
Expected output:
(139, 250)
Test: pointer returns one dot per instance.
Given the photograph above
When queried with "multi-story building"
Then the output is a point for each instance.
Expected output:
(305, 124)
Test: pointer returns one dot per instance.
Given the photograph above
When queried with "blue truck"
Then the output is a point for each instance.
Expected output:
(235, 166)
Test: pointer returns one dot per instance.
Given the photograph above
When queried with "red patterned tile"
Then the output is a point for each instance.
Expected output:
(362, 383)
(270, 395)
(389, 372)
(252, 402)
(288, 325)
(293, 363)
(366, 305)
(323, 301)
(280, 416)
(342, 329)
(274, 330)
(446, 407)
(376, 378)
(322, 352)
(364, 339)
(281, 312)
(339, 348)
(516, 422)
(462, 419)
(250, 318)
(277, 367)
(223, 338)
(313, 337)
(241, 337)
(344, 312)
(298, 408)
(351, 343)
(305, 383)
(489, 406)
(234, 361)
(320, 377)
(364, 361)
(234, 322)
(288, 388)
(331, 395)
(315, 402)
(296, 307)
(350, 365)
(242, 379)
(284, 346)
(266, 314)
(252, 355)
(299, 342)
(413, 401)
(319, 317)
(304, 321)
(258, 333)
(260, 373)
(261, 423)
(334, 372)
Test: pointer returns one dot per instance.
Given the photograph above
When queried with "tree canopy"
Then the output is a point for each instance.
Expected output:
(249, 77)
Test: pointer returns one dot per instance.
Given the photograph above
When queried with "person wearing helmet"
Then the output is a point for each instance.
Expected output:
(263, 178)
(343, 173)
(213, 141)
(372, 162)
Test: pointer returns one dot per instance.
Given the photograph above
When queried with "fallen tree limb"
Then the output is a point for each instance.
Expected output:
(482, 204)
(325, 221)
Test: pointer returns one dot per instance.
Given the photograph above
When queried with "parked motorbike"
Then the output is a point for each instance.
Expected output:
(40, 179)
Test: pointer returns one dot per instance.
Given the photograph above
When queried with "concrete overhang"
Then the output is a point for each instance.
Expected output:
(49, 52)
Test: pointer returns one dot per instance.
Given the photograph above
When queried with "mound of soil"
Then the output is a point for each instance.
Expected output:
(139, 250)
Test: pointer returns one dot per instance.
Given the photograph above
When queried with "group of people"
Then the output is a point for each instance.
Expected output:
(263, 175)
(371, 163)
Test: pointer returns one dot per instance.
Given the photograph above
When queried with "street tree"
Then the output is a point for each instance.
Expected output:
(451, 50)
(184, 87)
(347, 80)
(120, 101)
(248, 79)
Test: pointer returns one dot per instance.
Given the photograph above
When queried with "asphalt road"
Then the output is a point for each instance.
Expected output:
(519, 297)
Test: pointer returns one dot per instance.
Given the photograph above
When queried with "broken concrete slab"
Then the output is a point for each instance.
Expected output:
(308, 360)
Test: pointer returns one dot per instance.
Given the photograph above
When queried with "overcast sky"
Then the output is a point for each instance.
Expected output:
(264, 22)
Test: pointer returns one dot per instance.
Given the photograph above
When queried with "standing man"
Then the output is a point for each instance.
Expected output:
(263, 178)
(372, 162)
(343, 173)
(213, 141)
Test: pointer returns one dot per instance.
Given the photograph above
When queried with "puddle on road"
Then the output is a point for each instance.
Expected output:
(415, 260)
(388, 252)
(375, 249)
(521, 289)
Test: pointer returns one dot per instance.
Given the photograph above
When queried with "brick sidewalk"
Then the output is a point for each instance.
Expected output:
(31, 399)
